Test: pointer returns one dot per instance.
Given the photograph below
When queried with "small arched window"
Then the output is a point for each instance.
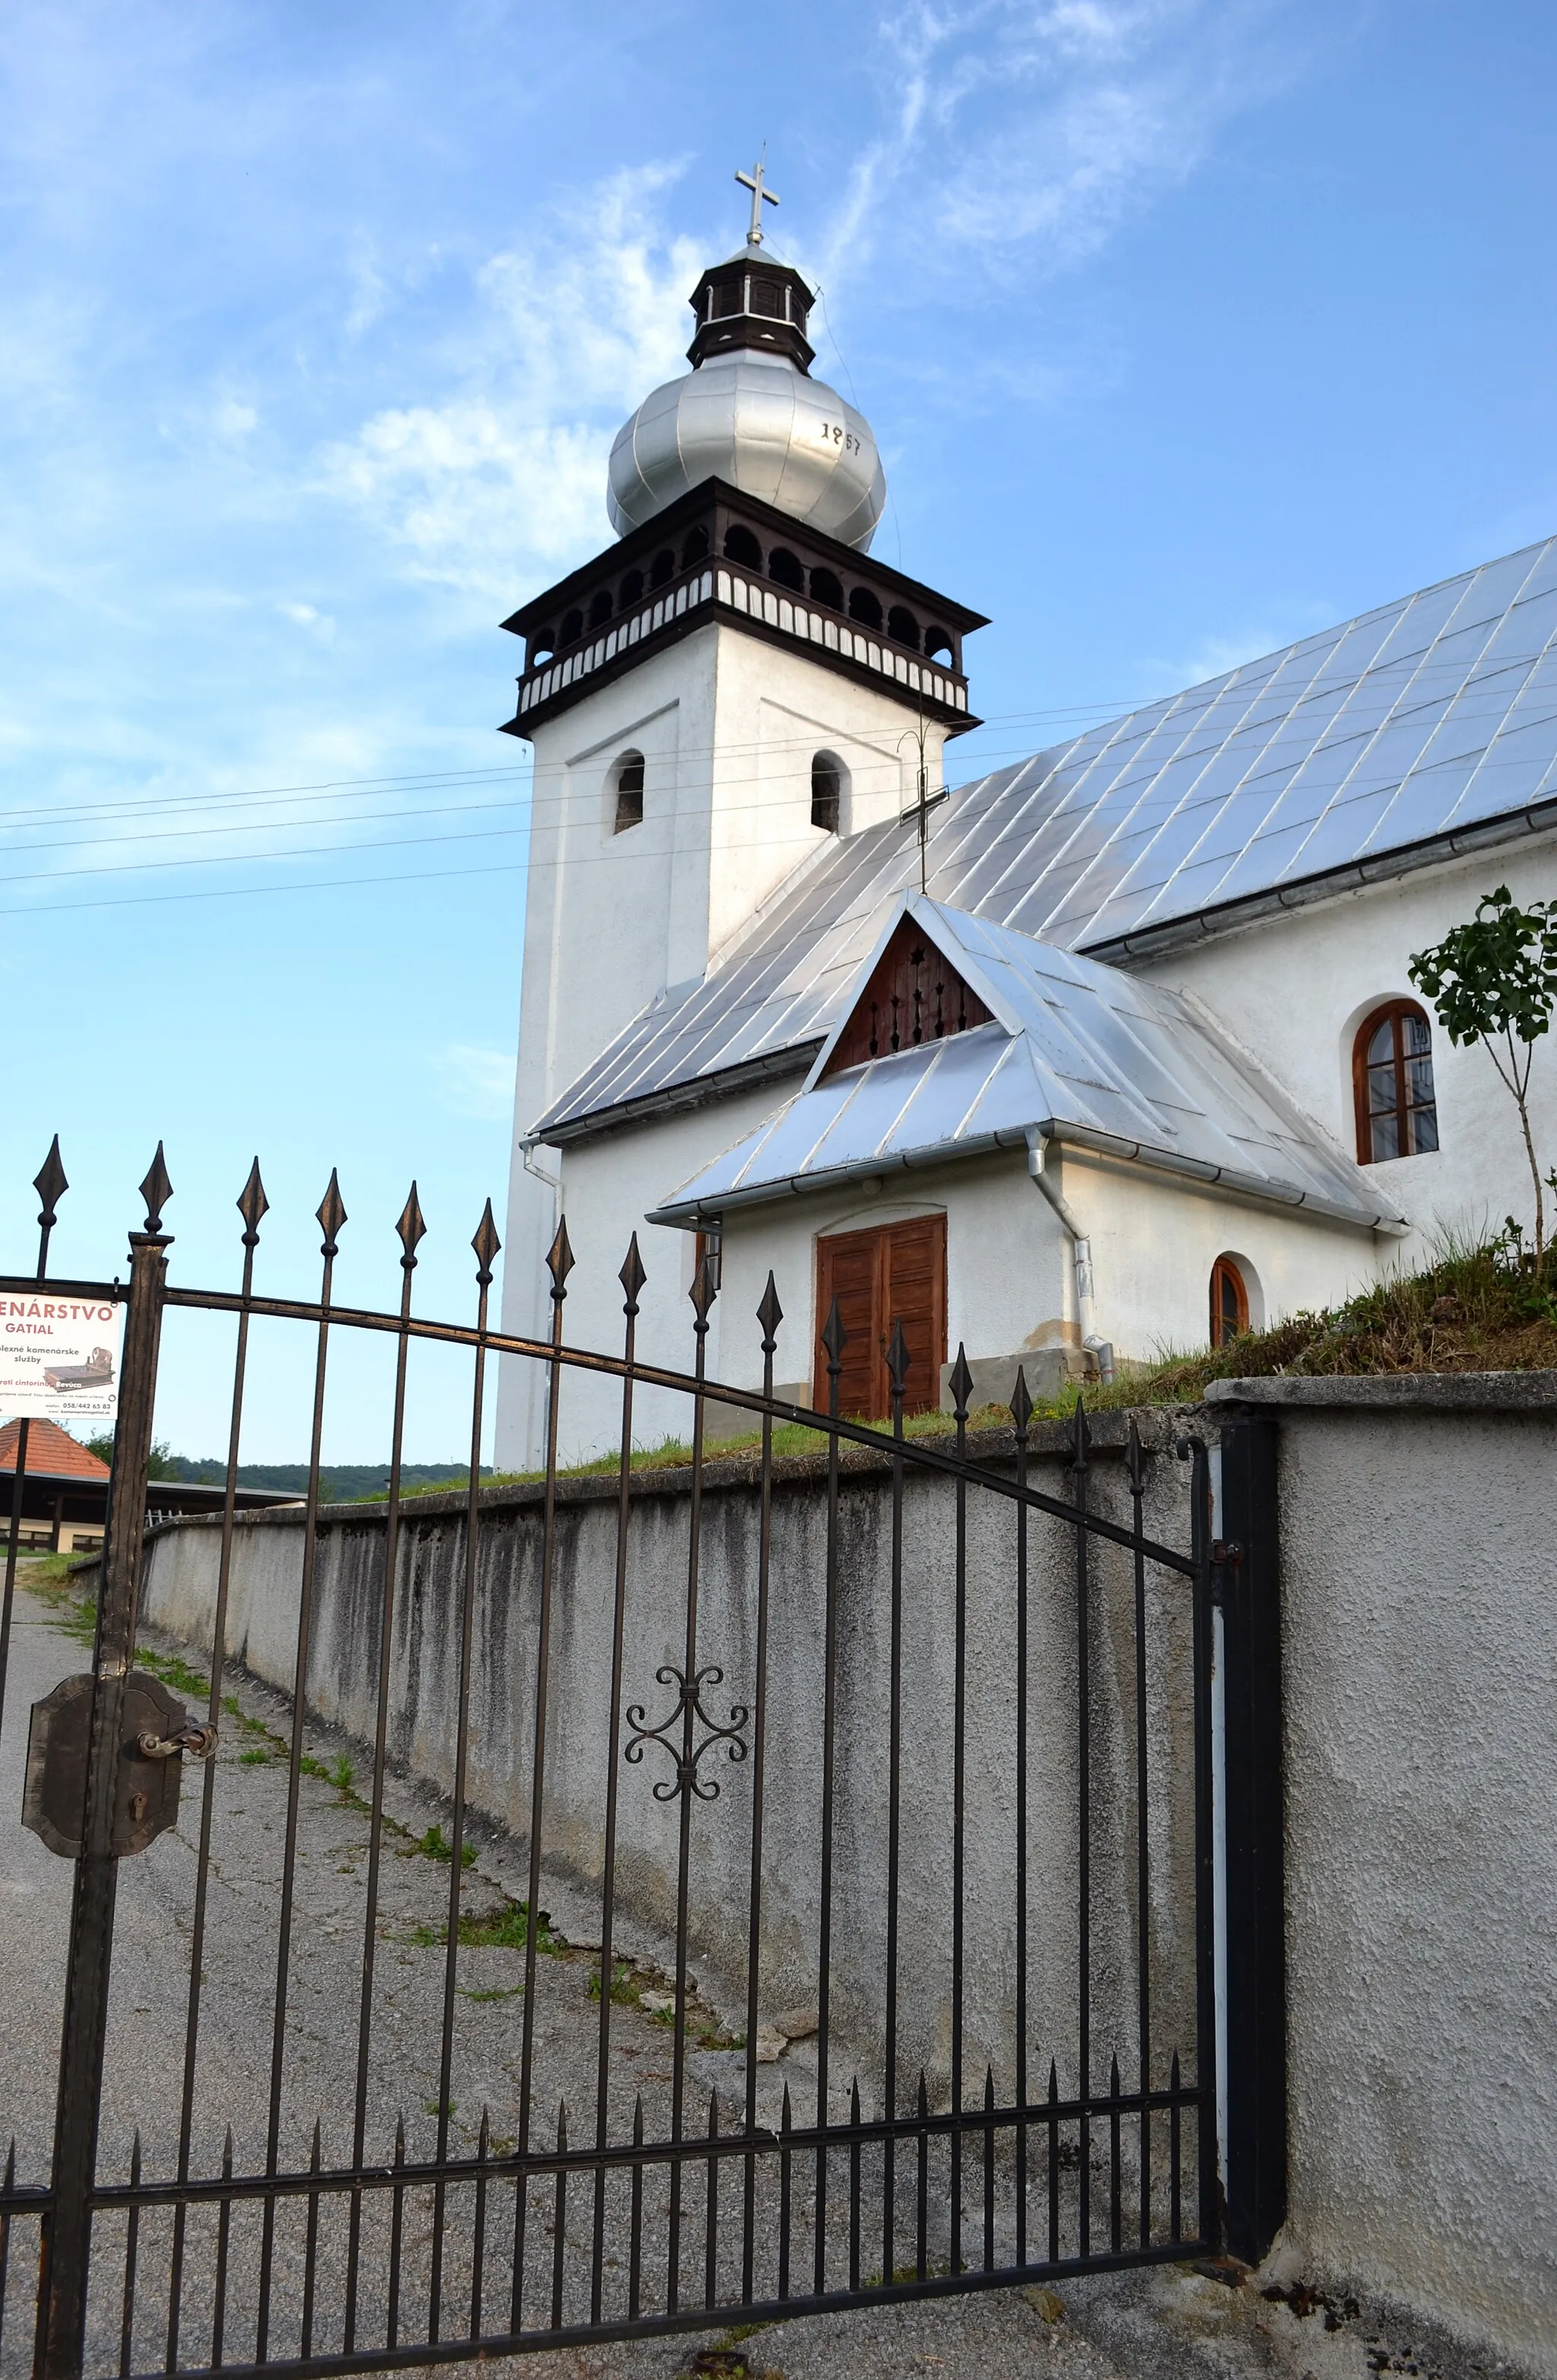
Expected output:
(864, 606)
(542, 645)
(632, 588)
(1391, 1080)
(784, 568)
(827, 793)
(1230, 1302)
(662, 569)
(572, 627)
(628, 779)
(741, 546)
(902, 627)
(693, 547)
(938, 644)
(827, 588)
(599, 608)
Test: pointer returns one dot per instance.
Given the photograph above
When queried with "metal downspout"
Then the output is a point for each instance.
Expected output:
(1081, 1250)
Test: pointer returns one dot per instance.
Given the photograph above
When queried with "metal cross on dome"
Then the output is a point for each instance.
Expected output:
(760, 191)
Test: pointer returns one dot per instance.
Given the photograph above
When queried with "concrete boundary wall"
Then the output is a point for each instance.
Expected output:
(1418, 1523)
(178, 1597)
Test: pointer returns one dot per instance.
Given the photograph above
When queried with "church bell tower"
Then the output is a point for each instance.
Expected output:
(717, 696)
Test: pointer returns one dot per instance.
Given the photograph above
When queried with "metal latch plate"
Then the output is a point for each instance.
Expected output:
(145, 1789)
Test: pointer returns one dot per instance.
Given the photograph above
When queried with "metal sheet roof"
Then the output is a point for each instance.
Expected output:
(1078, 1050)
(1423, 728)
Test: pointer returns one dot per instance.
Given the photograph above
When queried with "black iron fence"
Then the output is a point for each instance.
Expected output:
(231, 2174)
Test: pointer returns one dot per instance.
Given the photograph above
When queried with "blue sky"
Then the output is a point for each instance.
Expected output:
(1185, 326)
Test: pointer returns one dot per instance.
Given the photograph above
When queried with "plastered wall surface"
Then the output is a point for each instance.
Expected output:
(1420, 1689)
(1010, 1279)
(1419, 1585)
(1155, 1239)
(343, 1672)
(608, 1187)
(1294, 988)
(728, 728)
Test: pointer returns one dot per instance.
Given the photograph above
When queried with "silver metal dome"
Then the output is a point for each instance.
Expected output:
(767, 428)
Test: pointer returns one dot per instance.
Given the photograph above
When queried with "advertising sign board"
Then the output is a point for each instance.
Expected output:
(59, 1356)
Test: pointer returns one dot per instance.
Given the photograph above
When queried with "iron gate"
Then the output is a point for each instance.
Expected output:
(1007, 2070)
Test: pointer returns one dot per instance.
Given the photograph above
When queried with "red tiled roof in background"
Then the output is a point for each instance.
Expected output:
(51, 1452)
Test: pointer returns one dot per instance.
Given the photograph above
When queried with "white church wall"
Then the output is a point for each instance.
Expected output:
(1007, 1270)
(602, 933)
(1010, 1278)
(728, 726)
(1155, 1239)
(1294, 989)
(776, 712)
(608, 1187)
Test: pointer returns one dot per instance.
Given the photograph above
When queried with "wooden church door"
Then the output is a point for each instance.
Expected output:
(895, 1274)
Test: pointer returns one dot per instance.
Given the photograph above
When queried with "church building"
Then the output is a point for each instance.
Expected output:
(1082, 1061)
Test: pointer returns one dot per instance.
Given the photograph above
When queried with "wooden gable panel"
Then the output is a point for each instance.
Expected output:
(914, 995)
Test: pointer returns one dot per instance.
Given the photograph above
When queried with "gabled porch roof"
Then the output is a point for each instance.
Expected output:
(1078, 1053)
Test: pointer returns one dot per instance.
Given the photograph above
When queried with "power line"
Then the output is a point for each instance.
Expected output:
(1100, 713)
(538, 809)
(768, 749)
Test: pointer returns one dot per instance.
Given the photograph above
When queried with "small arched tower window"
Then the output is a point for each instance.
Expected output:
(632, 588)
(938, 644)
(572, 627)
(741, 546)
(694, 548)
(902, 627)
(1392, 1079)
(826, 589)
(864, 606)
(1230, 1302)
(827, 793)
(785, 569)
(662, 569)
(627, 780)
(599, 608)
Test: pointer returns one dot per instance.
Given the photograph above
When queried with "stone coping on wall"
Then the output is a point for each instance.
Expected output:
(1393, 1392)
(1160, 1427)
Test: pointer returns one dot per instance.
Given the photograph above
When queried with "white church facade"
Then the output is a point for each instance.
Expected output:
(1085, 1059)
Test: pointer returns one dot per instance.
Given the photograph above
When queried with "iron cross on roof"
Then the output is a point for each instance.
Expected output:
(924, 802)
(754, 183)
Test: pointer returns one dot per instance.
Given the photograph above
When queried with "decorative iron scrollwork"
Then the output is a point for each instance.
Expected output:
(690, 1698)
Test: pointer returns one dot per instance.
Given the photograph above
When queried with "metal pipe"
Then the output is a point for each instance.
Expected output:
(1081, 1250)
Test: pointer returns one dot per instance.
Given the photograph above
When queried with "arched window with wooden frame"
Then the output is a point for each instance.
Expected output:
(1230, 1302)
(1392, 1081)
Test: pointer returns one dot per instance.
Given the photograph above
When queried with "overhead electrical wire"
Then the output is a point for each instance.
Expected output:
(765, 750)
(1096, 712)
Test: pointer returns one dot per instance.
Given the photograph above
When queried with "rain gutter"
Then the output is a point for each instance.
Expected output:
(689, 1214)
(1148, 943)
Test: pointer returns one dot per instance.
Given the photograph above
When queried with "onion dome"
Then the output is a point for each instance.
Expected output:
(749, 413)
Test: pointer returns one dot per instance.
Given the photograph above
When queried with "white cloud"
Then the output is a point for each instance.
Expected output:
(1217, 654)
(477, 1083)
(1017, 133)
(504, 478)
(232, 418)
(306, 616)
(1029, 129)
